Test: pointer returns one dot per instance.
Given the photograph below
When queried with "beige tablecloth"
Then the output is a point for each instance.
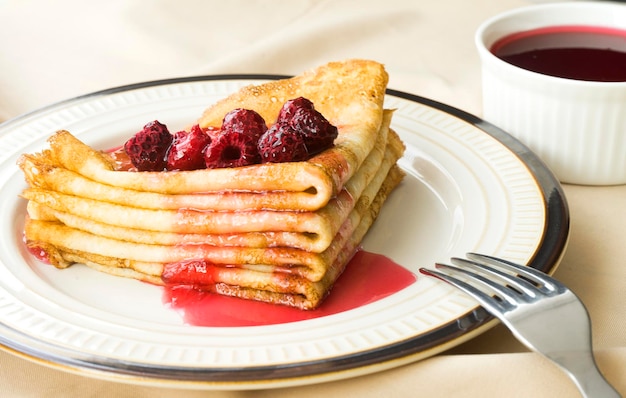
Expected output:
(54, 50)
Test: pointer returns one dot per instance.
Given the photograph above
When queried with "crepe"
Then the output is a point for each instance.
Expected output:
(278, 232)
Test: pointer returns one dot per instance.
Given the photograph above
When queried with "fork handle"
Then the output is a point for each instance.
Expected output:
(582, 368)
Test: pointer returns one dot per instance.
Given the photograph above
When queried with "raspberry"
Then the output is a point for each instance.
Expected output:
(282, 143)
(290, 107)
(244, 121)
(231, 149)
(319, 134)
(301, 114)
(148, 148)
(187, 150)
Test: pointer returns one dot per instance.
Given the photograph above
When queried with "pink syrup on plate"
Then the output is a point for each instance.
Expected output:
(368, 277)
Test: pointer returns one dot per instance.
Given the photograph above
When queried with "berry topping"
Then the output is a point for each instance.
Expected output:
(231, 149)
(187, 150)
(148, 148)
(244, 121)
(282, 143)
(290, 107)
(300, 113)
(243, 139)
(319, 134)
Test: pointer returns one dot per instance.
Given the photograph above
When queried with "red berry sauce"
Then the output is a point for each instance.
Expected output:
(589, 53)
(39, 253)
(368, 277)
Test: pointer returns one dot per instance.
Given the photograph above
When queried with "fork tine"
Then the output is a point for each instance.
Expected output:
(522, 285)
(530, 273)
(492, 305)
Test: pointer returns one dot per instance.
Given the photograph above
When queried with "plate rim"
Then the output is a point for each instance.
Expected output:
(545, 258)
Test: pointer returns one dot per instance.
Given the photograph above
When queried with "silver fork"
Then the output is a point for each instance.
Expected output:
(541, 312)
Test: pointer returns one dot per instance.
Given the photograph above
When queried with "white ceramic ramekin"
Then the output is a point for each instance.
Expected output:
(577, 127)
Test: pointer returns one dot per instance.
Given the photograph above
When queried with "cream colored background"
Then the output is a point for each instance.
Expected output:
(54, 50)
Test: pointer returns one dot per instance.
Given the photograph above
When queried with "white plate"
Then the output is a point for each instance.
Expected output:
(469, 187)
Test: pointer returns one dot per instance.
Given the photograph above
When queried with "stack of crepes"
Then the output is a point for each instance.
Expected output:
(275, 232)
